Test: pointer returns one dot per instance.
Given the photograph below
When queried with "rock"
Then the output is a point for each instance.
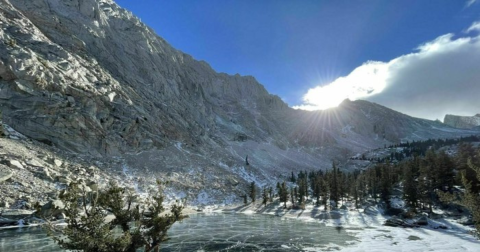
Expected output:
(93, 185)
(71, 101)
(44, 173)
(7, 222)
(4, 203)
(343, 207)
(16, 214)
(62, 179)
(34, 162)
(462, 122)
(57, 162)
(5, 175)
(371, 210)
(393, 211)
(422, 221)
(61, 216)
(15, 164)
(397, 222)
(52, 209)
(93, 79)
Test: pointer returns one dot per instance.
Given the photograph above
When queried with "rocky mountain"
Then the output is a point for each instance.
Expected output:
(462, 122)
(87, 77)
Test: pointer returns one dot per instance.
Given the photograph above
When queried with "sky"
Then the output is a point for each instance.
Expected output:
(419, 57)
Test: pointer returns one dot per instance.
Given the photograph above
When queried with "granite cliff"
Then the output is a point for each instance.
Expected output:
(87, 77)
(462, 122)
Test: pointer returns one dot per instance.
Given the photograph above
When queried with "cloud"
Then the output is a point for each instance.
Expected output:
(364, 81)
(474, 27)
(470, 2)
(440, 76)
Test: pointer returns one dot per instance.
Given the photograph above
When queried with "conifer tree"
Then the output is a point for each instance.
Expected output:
(253, 191)
(443, 175)
(317, 187)
(334, 186)
(283, 194)
(325, 192)
(409, 184)
(88, 230)
(270, 192)
(301, 190)
(427, 179)
(292, 196)
(265, 196)
(385, 184)
(470, 199)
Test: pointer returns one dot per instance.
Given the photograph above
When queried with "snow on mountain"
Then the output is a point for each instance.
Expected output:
(90, 78)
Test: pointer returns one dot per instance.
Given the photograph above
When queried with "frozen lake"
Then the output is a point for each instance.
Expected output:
(214, 232)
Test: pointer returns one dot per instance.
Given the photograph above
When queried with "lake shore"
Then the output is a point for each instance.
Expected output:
(368, 229)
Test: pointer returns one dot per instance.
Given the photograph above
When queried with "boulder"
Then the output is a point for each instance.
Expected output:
(422, 221)
(57, 162)
(93, 185)
(44, 173)
(34, 162)
(371, 210)
(397, 222)
(62, 179)
(5, 175)
(53, 208)
(4, 203)
(393, 211)
(15, 164)
(7, 222)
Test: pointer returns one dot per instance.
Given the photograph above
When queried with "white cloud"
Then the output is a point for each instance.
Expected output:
(470, 2)
(441, 76)
(474, 27)
(365, 80)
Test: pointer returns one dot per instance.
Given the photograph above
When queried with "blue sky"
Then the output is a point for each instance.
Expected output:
(292, 47)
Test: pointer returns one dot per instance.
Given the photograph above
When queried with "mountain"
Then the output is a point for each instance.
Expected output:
(462, 122)
(87, 77)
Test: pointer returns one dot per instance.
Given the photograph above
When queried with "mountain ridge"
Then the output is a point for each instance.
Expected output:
(93, 80)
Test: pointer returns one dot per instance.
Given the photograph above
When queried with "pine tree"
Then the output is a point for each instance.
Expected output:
(317, 187)
(292, 196)
(265, 196)
(464, 153)
(470, 199)
(253, 191)
(245, 199)
(283, 194)
(142, 226)
(301, 190)
(325, 192)
(270, 192)
(409, 184)
(293, 179)
(385, 185)
(427, 179)
(443, 175)
(334, 186)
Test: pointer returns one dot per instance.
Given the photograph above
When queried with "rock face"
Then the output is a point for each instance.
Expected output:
(88, 77)
(462, 122)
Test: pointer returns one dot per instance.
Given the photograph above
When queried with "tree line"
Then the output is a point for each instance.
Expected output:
(434, 179)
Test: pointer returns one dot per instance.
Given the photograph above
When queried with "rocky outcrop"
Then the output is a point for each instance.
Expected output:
(462, 122)
(87, 77)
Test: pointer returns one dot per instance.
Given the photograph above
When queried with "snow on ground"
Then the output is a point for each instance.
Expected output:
(370, 233)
